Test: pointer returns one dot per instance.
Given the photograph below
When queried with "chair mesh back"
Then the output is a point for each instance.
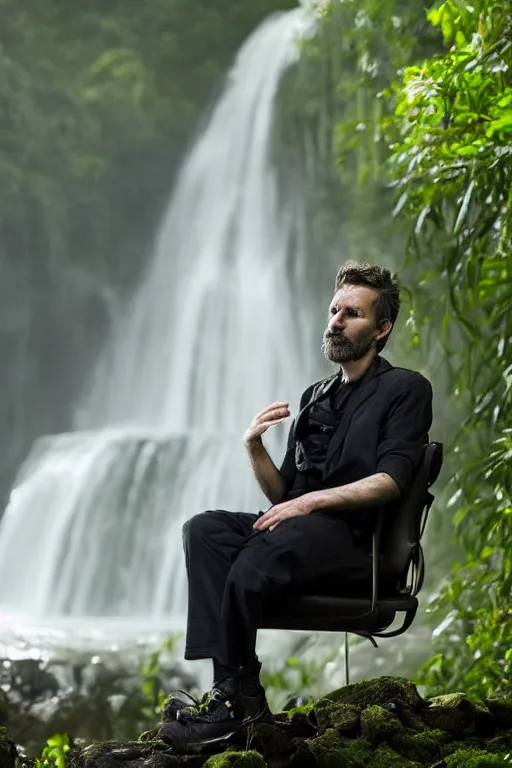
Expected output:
(403, 526)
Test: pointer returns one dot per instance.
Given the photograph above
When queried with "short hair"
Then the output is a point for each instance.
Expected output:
(387, 304)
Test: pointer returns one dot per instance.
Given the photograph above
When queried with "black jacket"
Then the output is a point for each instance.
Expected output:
(383, 428)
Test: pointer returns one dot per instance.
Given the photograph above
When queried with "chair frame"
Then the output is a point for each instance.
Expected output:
(405, 600)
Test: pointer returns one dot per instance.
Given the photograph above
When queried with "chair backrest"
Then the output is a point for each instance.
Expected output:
(403, 527)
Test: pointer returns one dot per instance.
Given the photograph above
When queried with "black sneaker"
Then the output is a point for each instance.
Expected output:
(225, 713)
(177, 701)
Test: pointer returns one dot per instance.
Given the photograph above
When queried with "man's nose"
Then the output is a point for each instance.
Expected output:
(337, 321)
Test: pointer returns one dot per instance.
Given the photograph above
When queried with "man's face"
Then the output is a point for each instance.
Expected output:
(351, 330)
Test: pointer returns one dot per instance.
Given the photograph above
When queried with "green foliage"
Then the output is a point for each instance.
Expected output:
(294, 678)
(452, 167)
(54, 753)
(441, 135)
(152, 692)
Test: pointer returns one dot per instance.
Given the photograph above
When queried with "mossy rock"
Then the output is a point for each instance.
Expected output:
(475, 758)
(501, 710)
(455, 713)
(378, 725)
(420, 747)
(247, 759)
(500, 744)
(381, 690)
(386, 757)
(328, 751)
(344, 718)
(359, 751)
(116, 754)
(453, 746)
(270, 740)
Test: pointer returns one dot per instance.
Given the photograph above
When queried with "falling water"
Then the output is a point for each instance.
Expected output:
(93, 525)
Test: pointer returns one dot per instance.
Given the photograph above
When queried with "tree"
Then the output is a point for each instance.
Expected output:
(452, 165)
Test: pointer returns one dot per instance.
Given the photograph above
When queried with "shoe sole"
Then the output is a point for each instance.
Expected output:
(235, 732)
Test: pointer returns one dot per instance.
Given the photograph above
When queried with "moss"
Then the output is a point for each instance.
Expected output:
(358, 751)
(381, 690)
(475, 758)
(501, 743)
(431, 739)
(328, 751)
(248, 759)
(8, 753)
(377, 724)
(343, 717)
(385, 757)
(421, 747)
(452, 746)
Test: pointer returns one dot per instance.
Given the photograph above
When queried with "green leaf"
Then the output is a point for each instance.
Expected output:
(463, 210)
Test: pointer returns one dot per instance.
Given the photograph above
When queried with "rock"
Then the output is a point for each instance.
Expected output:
(375, 724)
(500, 744)
(344, 718)
(119, 754)
(475, 758)
(378, 725)
(359, 751)
(385, 757)
(249, 759)
(501, 710)
(8, 754)
(270, 740)
(420, 747)
(328, 752)
(382, 690)
(455, 713)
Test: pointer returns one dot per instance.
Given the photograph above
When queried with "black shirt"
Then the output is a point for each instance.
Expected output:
(313, 439)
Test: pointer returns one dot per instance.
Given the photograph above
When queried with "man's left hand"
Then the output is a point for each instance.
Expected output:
(276, 514)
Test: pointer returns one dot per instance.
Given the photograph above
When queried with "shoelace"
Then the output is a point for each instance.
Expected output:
(210, 704)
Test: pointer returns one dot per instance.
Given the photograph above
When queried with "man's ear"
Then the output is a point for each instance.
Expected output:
(384, 330)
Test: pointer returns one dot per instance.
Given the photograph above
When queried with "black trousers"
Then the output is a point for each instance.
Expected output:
(232, 570)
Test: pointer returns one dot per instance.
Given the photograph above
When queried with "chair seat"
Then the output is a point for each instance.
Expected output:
(327, 613)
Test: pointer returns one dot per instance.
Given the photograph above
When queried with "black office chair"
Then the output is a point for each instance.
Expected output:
(397, 575)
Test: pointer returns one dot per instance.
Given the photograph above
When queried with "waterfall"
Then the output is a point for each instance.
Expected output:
(215, 332)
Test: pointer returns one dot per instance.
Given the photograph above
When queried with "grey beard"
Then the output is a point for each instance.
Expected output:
(339, 350)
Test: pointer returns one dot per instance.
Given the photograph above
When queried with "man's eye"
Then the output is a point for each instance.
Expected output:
(352, 313)
(333, 310)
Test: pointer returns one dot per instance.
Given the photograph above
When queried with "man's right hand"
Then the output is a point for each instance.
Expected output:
(268, 417)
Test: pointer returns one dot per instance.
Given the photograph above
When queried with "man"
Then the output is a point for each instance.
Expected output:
(355, 446)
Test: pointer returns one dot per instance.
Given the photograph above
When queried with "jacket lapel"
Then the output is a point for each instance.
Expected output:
(361, 394)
